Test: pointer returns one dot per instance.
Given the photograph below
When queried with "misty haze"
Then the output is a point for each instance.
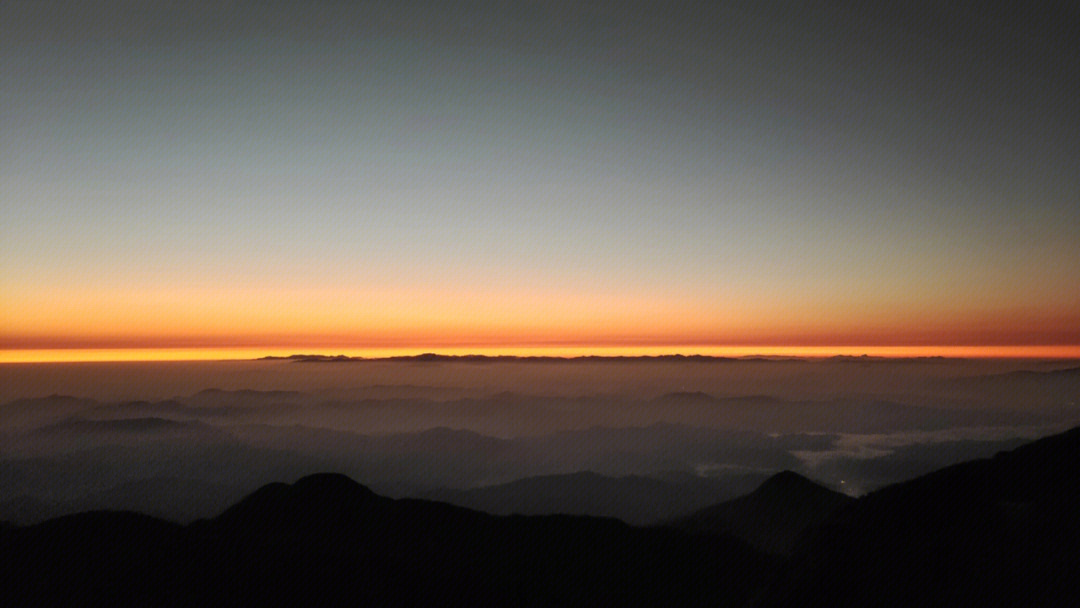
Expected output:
(506, 435)
(729, 472)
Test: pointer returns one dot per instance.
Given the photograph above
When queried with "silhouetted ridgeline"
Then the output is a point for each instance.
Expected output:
(772, 517)
(327, 540)
(994, 532)
(437, 358)
(633, 498)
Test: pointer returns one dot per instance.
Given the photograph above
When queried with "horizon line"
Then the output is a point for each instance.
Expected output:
(569, 353)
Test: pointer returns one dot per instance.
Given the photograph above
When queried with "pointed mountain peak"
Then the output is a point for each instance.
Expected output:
(792, 484)
(331, 484)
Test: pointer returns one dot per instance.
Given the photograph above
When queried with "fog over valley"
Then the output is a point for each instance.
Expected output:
(644, 440)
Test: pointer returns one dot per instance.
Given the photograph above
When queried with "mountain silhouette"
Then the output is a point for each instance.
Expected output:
(169, 498)
(29, 413)
(221, 396)
(77, 433)
(773, 516)
(326, 540)
(1060, 387)
(848, 415)
(995, 532)
(632, 498)
(76, 427)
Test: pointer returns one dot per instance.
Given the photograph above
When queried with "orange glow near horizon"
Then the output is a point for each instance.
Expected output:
(207, 323)
(211, 354)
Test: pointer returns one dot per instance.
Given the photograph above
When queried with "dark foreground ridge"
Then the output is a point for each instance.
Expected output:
(994, 532)
(771, 518)
(327, 540)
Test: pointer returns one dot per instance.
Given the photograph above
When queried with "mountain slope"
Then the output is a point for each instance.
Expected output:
(327, 540)
(994, 532)
(771, 517)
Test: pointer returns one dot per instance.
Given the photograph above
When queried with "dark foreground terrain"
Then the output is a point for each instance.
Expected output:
(995, 532)
(328, 540)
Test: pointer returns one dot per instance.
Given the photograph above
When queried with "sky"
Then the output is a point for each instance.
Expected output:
(512, 177)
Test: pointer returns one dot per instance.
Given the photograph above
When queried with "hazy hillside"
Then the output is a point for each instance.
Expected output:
(996, 532)
(772, 517)
(992, 532)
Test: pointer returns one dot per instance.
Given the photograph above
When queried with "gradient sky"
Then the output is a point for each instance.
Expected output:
(496, 174)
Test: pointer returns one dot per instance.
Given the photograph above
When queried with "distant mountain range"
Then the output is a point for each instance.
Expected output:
(437, 358)
(995, 532)
(173, 499)
(1059, 386)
